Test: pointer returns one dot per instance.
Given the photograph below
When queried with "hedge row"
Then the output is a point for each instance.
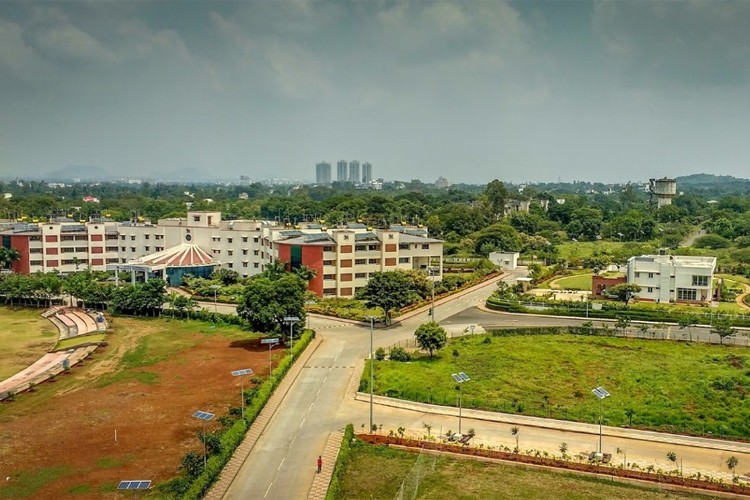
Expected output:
(231, 438)
(341, 462)
(632, 313)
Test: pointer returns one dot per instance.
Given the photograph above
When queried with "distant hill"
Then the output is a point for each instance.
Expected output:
(84, 172)
(713, 185)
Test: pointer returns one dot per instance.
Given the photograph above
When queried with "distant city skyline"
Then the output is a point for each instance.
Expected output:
(532, 91)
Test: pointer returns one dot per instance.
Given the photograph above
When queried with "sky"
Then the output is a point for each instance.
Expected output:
(524, 91)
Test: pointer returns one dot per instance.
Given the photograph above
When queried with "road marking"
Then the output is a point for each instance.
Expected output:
(325, 379)
(302, 423)
(295, 437)
(317, 392)
(267, 490)
(282, 463)
(311, 405)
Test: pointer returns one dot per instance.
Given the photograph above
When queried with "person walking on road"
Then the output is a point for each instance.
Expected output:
(320, 463)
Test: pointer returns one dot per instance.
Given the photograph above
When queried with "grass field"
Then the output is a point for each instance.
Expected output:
(682, 387)
(24, 337)
(576, 282)
(84, 339)
(378, 472)
(145, 384)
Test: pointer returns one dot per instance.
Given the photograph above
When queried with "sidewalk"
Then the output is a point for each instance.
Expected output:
(321, 482)
(232, 467)
(561, 425)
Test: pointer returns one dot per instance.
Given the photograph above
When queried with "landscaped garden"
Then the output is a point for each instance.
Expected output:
(450, 477)
(662, 385)
(130, 405)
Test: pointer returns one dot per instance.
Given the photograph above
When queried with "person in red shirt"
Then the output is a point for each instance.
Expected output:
(320, 463)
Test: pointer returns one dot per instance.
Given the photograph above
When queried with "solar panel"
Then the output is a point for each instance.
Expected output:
(464, 377)
(203, 415)
(603, 391)
(245, 371)
(139, 484)
(457, 378)
(289, 319)
(600, 392)
(269, 341)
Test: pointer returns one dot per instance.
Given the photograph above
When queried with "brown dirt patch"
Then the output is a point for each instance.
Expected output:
(153, 421)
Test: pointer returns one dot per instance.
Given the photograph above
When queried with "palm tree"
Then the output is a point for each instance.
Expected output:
(274, 270)
(305, 273)
(8, 256)
(732, 463)
(514, 432)
(629, 412)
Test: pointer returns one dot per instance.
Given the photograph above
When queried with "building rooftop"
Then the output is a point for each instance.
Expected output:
(706, 261)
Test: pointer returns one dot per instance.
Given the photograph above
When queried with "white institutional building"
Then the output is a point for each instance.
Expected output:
(672, 278)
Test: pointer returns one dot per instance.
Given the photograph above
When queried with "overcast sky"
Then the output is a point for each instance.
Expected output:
(521, 91)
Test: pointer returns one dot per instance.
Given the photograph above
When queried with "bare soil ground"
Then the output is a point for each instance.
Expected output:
(60, 440)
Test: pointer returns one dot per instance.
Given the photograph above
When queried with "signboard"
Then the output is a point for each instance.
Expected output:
(269, 341)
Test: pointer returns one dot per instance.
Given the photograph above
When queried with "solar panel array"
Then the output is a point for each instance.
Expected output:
(600, 392)
(460, 377)
(365, 237)
(134, 485)
(203, 415)
(269, 341)
(245, 371)
(318, 237)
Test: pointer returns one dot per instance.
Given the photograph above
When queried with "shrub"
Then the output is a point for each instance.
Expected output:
(400, 354)
(380, 354)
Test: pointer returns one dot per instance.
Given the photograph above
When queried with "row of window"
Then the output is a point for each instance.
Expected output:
(146, 236)
(698, 280)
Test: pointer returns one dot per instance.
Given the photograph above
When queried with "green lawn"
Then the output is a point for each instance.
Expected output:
(378, 472)
(24, 337)
(670, 386)
(576, 282)
(84, 339)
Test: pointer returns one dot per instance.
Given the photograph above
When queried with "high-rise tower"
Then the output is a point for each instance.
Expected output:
(366, 172)
(354, 172)
(323, 173)
(341, 173)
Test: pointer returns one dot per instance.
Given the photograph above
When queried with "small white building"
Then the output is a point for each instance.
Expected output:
(672, 278)
(507, 260)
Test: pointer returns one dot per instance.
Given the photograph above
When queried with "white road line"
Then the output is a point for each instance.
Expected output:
(282, 463)
(317, 392)
(295, 437)
(303, 422)
(311, 405)
(267, 490)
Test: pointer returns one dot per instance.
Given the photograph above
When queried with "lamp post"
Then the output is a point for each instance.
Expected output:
(601, 393)
(431, 271)
(372, 365)
(460, 378)
(241, 374)
(271, 344)
(205, 416)
(291, 320)
(215, 288)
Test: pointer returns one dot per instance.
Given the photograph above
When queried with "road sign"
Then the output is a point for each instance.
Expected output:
(269, 341)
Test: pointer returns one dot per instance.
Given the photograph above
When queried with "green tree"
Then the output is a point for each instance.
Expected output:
(732, 463)
(622, 324)
(8, 256)
(514, 432)
(265, 302)
(687, 321)
(388, 290)
(226, 276)
(496, 194)
(723, 328)
(431, 337)
(623, 291)
(305, 273)
(629, 412)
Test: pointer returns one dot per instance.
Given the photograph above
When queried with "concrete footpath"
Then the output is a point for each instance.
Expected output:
(562, 425)
(229, 472)
(323, 479)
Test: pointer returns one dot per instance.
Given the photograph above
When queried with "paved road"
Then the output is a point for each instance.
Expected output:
(282, 465)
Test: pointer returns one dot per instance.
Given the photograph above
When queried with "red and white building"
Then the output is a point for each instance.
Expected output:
(342, 257)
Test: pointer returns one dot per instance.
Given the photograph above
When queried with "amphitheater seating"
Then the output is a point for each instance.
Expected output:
(80, 324)
(67, 321)
(89, 324)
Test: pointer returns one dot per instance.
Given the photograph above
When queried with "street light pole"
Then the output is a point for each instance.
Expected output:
(291, 320)
(460, 378)
(601, 393)
(241, 374)
(432, 306)
(372, 367)
(215, 288)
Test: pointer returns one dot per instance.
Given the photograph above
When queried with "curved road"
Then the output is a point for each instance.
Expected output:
(282, 463)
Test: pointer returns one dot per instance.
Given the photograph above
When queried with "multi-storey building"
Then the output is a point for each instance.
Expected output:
(342, 257)
(672, 278)
(354, 175)
(341, 171)
(323, 173)
(366, 172)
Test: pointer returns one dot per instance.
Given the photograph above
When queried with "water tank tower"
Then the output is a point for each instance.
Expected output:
(663, 189)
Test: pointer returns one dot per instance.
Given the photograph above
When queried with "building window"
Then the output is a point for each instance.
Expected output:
(329, 276)
(230, 252)
(132, 249)
(148, 249)
(35, 262)
(360, 248)
(230, 265)
(255, 265)
(122, 248)
(328, 249)
(426, 246)
(403, 246)
(132, 238)
(229, 240)
(244, 264)
(650, 275)
(329, 291)
(216, 252)
(244, 239)
(256, 252)
(196, 218)
(700, 280)
(244, 251)
(146, 236)
(686, 294)
(122, 237)
(373, 247)
(403, 260)
(373, 261)
(328, 263)
(360, 275)
(360, 262)
(255, 240)
(637, 275)
(650, 289)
